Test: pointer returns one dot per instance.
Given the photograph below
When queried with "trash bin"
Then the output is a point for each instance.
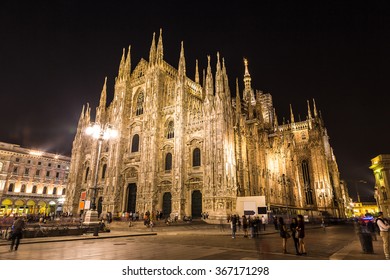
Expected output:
(366, 242)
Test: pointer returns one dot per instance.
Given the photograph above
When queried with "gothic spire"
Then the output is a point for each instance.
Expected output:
(209, 78)
(127, 68)
(103, 96)
(238, 98)
(247, 76)
(81, 119)
(276, 124)
(308, 109)
(315, 108)
(152, 53)
(218, 76)
(182, 61)
(291, 115)
(87, 117)
(160, 49)
(196, 72)
(122, 64)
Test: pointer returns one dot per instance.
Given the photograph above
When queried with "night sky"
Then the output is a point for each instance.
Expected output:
(54, 56)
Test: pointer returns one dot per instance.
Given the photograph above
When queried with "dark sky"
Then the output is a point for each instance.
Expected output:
(54, 56)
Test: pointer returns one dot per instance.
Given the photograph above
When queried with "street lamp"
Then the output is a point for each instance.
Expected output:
(100, 133)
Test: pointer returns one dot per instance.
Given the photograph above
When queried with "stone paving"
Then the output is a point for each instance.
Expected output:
(352, 250)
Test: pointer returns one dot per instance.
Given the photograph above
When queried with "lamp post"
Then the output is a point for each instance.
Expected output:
(100, 133)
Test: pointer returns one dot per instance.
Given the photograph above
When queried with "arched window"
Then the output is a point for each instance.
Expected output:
(44, 191)
(23, 189)
(307, 183)
(86, 174)
(140, 104)
(54, 190)
(196, 157)
(170, 130)
(63, 191)
(168, 162)
(11, 187)
(34, 189)
(104, 171)
(135, 144)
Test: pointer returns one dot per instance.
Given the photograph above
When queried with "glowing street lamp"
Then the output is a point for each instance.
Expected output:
(100, 133)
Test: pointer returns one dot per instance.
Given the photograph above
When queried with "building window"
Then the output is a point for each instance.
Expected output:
(37, 172)
(15, 171)
(11, 187)
(49, 164)
(196, 157)
(39, 163)
(104, 169)
(307, 183)
(57, 175)
(63, 191)
(29, 162)
(34, 189)
(47, 173)
(26, 171)
(140, 104)
(54, 190)
(44, 191)
(168, 162)
(23, 189)
(135, 144)
(171, 130)
(17, 159)
(86, 174)
(58, 166)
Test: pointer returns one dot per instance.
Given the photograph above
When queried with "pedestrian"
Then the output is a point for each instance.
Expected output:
(283, 234)
(323, 224)
(234, 226)
(17, 233)
(276, 223)
(293, 227)
(301, 235)
(371, 229)
(263, 221)
(384, 233)
(245, 225)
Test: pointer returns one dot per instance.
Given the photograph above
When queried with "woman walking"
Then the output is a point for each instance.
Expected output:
(301, 235)
(283, 233)
(294, 233)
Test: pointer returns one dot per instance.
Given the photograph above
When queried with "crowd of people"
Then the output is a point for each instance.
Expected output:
(251, 227)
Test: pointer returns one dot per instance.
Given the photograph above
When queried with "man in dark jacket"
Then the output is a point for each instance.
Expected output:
(17, 232)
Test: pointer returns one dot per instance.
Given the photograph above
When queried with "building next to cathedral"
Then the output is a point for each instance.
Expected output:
(185, 146)
(31, 181)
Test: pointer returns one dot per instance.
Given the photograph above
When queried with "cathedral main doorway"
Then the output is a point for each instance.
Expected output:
(167, 204)
(131, 197)
(196, 204)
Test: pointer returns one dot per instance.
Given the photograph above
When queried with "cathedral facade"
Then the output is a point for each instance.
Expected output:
(185, 146)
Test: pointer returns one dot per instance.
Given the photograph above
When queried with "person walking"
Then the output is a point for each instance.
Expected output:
(17, 232)
(283, 233)
(301, 235)
(384, 233)
(234, 226)
(263, 221)
(294, 233)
